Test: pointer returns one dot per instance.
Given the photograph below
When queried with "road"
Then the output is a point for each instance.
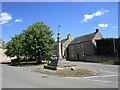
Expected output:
(15, 77)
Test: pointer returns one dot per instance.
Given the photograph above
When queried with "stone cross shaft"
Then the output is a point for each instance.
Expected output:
(59, 47)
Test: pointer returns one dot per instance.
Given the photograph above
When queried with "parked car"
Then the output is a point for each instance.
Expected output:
(53, 57)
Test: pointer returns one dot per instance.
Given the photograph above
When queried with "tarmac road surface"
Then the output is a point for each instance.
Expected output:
(16, 77)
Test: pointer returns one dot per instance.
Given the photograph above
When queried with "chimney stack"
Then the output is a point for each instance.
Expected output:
(97, 30)
(69, 36)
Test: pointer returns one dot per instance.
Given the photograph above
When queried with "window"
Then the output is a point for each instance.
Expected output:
(78, 46)
(72, 55)
(82, 44)
(83, 54)
(72, 47)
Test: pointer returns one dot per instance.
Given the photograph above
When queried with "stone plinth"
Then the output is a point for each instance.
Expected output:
(55, 64)
(50, 67)
(63, 63)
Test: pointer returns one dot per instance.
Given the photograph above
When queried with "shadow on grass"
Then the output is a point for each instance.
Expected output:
(28, 63)
(5, 62)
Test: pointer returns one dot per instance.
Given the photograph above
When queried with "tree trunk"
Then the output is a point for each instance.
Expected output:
(39, 61)
(18, 59)
(26, 59)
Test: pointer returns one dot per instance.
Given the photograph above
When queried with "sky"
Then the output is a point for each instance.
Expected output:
(75, 18)
(60, 0)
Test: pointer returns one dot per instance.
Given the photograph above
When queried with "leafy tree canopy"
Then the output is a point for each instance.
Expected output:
(36, 41)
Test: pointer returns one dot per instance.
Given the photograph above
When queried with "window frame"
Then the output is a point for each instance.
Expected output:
(83, 54)
(72, 55)
(72, 47)
(82, 44)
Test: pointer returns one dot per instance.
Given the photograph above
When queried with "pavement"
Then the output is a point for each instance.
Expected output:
(23, 77)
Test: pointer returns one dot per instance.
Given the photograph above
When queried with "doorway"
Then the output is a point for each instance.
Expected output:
(78, 56)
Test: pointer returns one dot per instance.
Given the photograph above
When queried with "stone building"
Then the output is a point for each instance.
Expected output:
(3, 57)
(2, 50)
(64, 45)
(83, 46)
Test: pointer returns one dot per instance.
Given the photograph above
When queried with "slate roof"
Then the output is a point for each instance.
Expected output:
(62, 41)
(83, 38)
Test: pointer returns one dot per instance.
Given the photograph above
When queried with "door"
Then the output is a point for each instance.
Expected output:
(78, 56)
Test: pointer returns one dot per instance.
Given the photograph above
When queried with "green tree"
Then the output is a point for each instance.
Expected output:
(39, 41)
(10, 49)
(35, 42)
(15, 47)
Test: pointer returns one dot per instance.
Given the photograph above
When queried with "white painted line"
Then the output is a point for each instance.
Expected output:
(101, 76)
(109, 71)
(91, 79)
(29, 70)
(102, 81)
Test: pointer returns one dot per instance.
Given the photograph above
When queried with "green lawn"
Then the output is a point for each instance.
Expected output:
(109, 62)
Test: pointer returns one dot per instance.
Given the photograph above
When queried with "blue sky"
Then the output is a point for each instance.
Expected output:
(75, 18)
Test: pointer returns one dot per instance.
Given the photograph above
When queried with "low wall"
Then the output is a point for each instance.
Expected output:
(100, 58)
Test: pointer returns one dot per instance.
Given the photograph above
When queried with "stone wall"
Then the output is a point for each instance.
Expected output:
(77, 52)
(100, 58)
(65, 46)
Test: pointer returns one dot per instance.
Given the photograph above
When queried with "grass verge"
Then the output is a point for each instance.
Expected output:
(108, 62)
(30, 63)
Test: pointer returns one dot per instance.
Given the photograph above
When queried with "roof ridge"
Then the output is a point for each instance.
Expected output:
(84, 38)
(85, 35)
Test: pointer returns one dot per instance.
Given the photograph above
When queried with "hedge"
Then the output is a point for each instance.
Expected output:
(105, 46)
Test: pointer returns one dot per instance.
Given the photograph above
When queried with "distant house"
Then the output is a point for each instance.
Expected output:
(2, 49)
(3, 57)
(83, 46)
(64, 46)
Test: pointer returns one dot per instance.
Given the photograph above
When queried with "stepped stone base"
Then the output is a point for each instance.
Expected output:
(59, 64)
(50, 67)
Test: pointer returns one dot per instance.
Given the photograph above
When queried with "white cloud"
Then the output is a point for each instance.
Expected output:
(99, 13)
(5, 17)
(18, 20)
(90, 16)
(103, 25)
(86, 17)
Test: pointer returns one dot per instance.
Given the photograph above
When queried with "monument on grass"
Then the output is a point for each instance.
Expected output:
(54, 63)
(59, 62)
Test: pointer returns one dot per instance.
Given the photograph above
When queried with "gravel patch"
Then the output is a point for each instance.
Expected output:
(67, 72)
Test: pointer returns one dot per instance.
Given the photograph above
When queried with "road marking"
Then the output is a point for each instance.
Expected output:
(91, 79)
(102, 81)
(101, 76)
(108, 71)
(29, 70)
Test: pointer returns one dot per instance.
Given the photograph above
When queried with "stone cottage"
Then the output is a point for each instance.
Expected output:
(83, 46)
(3, 57)
(64, 45)
(2, 50)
